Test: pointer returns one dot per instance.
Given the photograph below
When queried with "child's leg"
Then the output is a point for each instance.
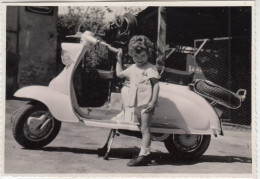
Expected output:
(143, 158)
(146, 134)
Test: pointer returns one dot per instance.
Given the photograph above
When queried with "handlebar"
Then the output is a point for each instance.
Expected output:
(89, 37)
(113, 49)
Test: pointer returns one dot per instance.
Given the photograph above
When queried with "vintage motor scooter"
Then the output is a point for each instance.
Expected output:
(184, 119)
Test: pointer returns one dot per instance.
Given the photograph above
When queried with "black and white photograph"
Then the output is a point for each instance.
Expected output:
(129, 89)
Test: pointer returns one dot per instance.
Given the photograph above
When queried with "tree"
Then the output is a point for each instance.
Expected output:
(91, 18)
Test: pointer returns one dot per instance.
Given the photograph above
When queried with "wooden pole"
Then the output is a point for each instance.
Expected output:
(161, 35)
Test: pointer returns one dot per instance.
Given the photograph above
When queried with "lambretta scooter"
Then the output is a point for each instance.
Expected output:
(184, 119)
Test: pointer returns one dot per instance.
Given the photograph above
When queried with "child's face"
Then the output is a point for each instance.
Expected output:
(141, 58)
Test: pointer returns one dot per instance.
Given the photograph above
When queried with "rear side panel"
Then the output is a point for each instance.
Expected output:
(181, 108)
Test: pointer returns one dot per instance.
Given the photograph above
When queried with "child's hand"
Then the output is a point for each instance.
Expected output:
(120, 55)
(150, 106)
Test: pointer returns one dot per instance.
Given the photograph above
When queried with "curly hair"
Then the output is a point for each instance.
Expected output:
(139, 43)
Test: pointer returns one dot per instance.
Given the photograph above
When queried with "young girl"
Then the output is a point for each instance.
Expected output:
(143, 92)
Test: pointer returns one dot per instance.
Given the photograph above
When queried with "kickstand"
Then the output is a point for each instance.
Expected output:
(106, 149)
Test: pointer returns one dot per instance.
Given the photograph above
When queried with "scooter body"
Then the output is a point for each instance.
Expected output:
(179, 110)
(184, 117)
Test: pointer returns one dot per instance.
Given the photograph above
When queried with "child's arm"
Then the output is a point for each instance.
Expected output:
(119, 67)
(156, 89)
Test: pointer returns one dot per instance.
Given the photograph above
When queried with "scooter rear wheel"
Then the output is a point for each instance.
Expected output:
(33, 126)
(187, 146)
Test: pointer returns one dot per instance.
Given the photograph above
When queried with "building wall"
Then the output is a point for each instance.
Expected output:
(37, 47)
(11, 49)
(32, 40)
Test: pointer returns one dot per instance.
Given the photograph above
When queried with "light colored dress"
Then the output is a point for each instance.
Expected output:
(140, 91)
(137, 93)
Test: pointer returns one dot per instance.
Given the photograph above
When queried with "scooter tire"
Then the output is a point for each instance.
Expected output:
(179, 154)
(19, 119)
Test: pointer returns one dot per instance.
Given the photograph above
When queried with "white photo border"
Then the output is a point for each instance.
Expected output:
(255, 78)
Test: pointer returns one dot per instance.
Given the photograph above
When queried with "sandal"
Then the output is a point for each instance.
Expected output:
(139, 161)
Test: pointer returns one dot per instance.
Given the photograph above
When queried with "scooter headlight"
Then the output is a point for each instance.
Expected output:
(65, 58)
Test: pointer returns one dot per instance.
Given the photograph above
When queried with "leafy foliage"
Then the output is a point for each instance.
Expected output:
(93, 19)
(133, 10)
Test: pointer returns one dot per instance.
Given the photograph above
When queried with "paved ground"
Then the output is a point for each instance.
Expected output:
(75, 151)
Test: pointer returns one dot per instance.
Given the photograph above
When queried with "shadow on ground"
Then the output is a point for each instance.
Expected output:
(158, 158)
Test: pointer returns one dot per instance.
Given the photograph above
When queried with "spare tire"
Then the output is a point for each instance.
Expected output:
(221, 95)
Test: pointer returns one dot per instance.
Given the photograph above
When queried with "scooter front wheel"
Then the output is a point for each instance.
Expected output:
(187, 146)
(33, 126)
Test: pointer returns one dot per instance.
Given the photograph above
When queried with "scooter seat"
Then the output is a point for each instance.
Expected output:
(216, 93)
(177, 76)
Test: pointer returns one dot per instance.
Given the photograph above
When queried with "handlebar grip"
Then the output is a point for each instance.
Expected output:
(113, 49)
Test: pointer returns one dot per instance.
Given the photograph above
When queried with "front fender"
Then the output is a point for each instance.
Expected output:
(58, 103)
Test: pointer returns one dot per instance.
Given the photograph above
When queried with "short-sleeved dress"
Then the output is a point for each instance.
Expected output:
(140, 90)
